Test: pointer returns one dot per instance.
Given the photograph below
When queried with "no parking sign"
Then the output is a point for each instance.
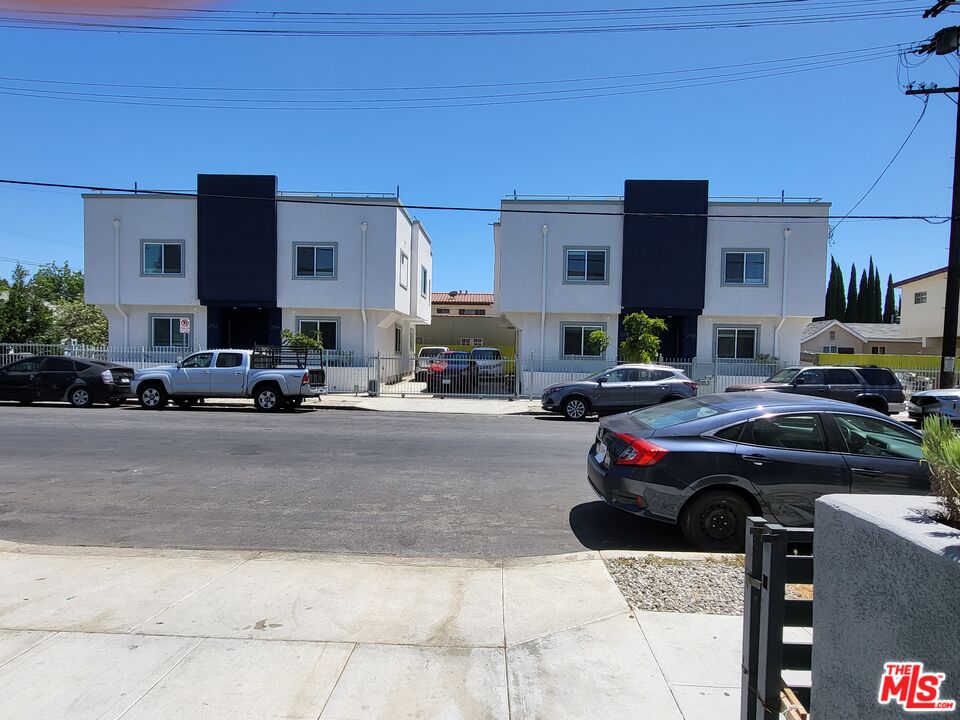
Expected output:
(184, 326)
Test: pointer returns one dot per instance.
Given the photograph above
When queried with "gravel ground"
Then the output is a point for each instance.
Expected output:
(712, 585)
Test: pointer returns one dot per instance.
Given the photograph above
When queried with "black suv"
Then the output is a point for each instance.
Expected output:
(871, 387)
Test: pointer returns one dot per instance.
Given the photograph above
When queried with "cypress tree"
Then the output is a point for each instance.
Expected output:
(867, 315)
(830, 305)
(851, 313)
(889, 307)
(863, 299)
(877, 297)
(841, 295)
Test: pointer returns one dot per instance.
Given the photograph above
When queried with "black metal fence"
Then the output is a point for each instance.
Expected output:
(775, 556)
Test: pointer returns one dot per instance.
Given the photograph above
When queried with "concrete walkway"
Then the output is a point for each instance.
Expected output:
(95, 633)
(429, 404)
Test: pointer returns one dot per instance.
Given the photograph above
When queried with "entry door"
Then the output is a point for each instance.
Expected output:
(786, 458)
(193, 375)
(227, 375)
(18, 381)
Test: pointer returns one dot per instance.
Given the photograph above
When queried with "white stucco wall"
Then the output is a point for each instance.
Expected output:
(422, 256)
(789, 350)
(519, 273)
(925, 319)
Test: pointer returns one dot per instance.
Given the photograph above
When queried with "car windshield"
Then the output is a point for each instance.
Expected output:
(430, 352)
(598, 374)
(675, 413)
(783, 376)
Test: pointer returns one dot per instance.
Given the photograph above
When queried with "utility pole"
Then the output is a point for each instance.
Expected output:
(946, 42)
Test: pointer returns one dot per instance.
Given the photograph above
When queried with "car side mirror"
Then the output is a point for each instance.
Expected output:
(799, 381)
(601, 380)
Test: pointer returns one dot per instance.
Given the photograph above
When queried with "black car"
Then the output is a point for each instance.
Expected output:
(452, 372)
(872, 387)
(707, 463)
(78, 381)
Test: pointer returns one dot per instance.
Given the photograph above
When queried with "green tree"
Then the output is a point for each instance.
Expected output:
(836, 300)
(599, 339)
(54, 283)
(877, 297)
(24, 317)
(641, 341)
(75, 320)
(852, 313)
(889, 304)
(869, 309)
(863, 299)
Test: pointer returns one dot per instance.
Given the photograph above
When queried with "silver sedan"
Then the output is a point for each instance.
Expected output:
(935, 402)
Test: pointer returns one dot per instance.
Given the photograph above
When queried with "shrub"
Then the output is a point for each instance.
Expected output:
(941, 449)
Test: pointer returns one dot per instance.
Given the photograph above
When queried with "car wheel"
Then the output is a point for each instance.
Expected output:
(80, 397)
(575, 408)
(268, 399)
(716, 521)
(152, 397)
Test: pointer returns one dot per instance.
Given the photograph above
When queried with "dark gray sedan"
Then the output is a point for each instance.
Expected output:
(708, 463)
(624, 387)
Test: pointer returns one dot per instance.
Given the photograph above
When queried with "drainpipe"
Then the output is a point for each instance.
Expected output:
(116, 289)
(543, 292)
(783, 295)
(363, 286)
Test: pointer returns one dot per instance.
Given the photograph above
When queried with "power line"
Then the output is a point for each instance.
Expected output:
(936, 219)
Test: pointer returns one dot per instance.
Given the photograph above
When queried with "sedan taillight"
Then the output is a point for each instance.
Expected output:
(639, 451)
(107, 377)
(690, 384)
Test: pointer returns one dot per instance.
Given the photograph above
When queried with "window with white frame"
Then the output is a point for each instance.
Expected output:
(585, 265)
(165, 332)
(326, 330)
(919, 298)
(162, 258)
(397, 339)
(833, 334)
(404, 271)
(742, 267)
(472, 311)
(735, 343)
(316, 261)
(424, 282)
(575, 339)
(878, 350)
(471, 342)
(829, 348)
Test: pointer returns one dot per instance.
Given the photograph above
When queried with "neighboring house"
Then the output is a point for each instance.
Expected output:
(834, 336)
(465, 319)
(731, 279)
(922, 300)
(241, 262)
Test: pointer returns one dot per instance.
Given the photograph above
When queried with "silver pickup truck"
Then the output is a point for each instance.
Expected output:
(273, 384)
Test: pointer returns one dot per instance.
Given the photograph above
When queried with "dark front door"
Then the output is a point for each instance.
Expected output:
(787, 459)
(244, 327)
(18, 381)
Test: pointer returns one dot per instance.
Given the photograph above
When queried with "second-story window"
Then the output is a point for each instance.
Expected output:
(316, 261)
(442, 311)
(919, 298)
(472, 311)
(404, 271)
(585, 265)
(744, 268)
(163, 258)
(424, 281)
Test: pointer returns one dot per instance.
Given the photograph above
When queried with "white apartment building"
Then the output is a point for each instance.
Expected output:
(735, 280)
(241, 262)
(922, 301)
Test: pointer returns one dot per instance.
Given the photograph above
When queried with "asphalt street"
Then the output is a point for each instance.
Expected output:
(318, 479)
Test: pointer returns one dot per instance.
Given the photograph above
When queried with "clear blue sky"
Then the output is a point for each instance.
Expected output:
(826, 133)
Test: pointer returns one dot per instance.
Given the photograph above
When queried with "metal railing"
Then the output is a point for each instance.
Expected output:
(775, 556)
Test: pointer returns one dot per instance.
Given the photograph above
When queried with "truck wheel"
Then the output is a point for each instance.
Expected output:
(268, 398)
(80, 397)
(152, 397)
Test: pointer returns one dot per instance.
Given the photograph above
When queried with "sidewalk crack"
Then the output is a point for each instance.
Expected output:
(335, 684)
(506, 661)
(162, 677)
(676, 702)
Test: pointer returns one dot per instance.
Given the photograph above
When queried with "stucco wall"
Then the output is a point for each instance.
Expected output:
(887, 587)
(788, 351)
(925, 319)
(449, 330)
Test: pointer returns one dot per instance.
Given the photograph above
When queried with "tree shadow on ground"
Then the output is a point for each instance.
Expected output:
(601, 527)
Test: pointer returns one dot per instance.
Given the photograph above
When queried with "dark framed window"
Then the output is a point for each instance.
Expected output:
(442, 311)
(790, 432)
(200, 360)
(919, 298)
(56, 364)
(472, 311)
(736, 343)
(837, 376)
(316, 261)
(397, 339)
(404, 271)
(29, 365)
(424, 281)
(325, 330)
(575, 339)
(165, 332)
(162, 258)
(878, 350)
(741, 267)
(585, 265)
(229, 360)
(878, 438)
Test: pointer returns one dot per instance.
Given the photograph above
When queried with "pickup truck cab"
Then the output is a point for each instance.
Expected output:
(227, 374)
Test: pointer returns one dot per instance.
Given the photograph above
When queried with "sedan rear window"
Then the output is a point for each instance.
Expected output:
(675, 413)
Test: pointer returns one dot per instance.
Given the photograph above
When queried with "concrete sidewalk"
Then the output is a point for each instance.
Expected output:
(97, 633)
(456, 405)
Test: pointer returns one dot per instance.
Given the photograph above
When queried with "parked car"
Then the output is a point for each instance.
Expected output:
(273, 381)
(78, 381)
(624, 387)
(426, 357)
(707, 463)
(934, 402)
(871, 387)
(489, 362)
(453, 372)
